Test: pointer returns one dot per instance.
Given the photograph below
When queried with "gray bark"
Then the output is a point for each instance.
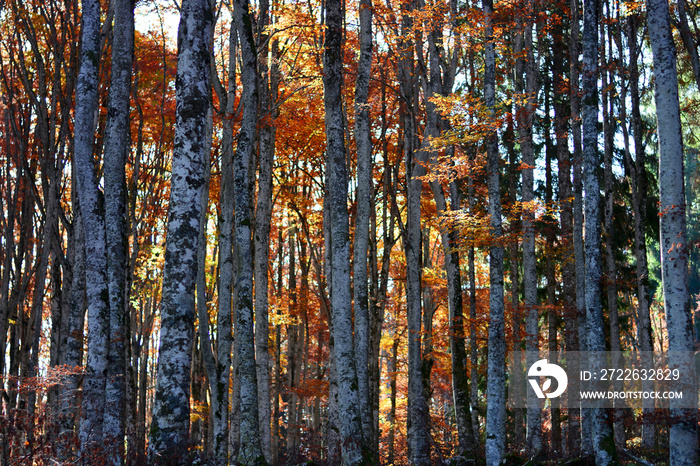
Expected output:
(550, 227)
(569, 311)
(341, 298)
(525, 116)
(609, 234)
(579, 261)
(170, 425)
(31, 344)
(333, 430)
(292, 444)
(602, 437)
(518, 380)
(203, 358)
(496, 388)
(94, 228)
(208, 362)
(363, 142)
(74, 342)
(250, 450)
(683, 436)
(268, 98)
(418, 415)
(638, 182)
(117, 146)
(218, 365)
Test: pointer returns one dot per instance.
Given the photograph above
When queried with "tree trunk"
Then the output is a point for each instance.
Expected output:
(496, 388)
(251, 450)
(350, 424)
(550, 233)
(74, 342)
(639, 201)
(527, 66)
(117, 148)
(514, 272)
(418, 415)
(219, 367)
(568, 295)
(363, 141)
(171, 413)
(683, 436)
(584, 440)
(94, 228)
(602, 437)
(268, 99)
(608, 180)
(292, 444)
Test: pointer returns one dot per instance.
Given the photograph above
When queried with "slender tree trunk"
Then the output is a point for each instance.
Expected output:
(350, 424)
(639, 201)
(514, 272)
(94, 228)
(219, 367)
(496, 388)
(550, 233)
(683, 435)
(527, 67)
(608, 218)
(363, 141)
(251, 450)
(268, 97)
(602, 437)
(418, 414)
(38, 296)
(392, 396)
(568, 295)
(429, 307)
(74, 342)
(473, 353)
(275, 430)
(334, 433)
(218, 386)
(292, 443)
(586, 446)
(170, 426)
(117, 147)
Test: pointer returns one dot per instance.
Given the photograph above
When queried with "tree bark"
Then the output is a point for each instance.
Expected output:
(525, 117)
(94, 228)
(568, 295)
(268, 86)
(363, 142)
(639, 201)
(608, 211)
(418, 417)
(550, 233)
(117, 147)
(74, 342)
(683, 436)
(218, 365)
(251, 450)
(602, 437)
(496, 388)
(350, 423)
(171, 413)
(586, 446)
